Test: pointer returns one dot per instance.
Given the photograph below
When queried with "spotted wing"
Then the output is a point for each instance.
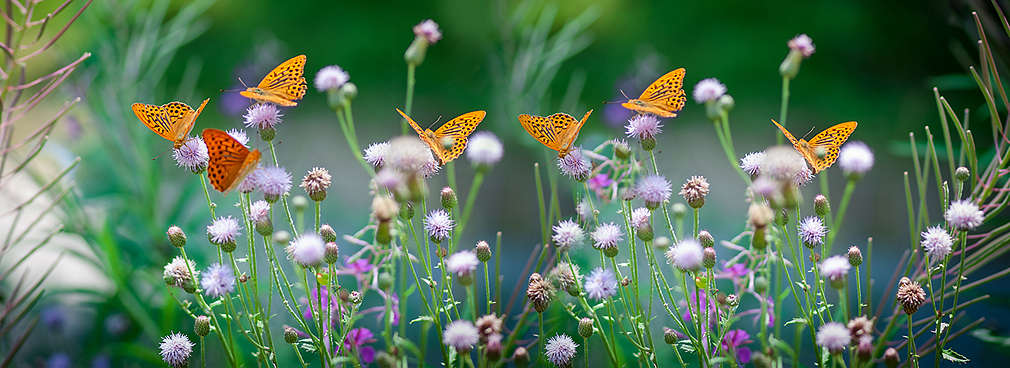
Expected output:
(230, 161)
(570, 128)
(161, 119)
(544, 129)
(186, 121)
(458, 129)
(664, 97)
(796, 143)
(436, 147)
(831, 141)
(286, 82)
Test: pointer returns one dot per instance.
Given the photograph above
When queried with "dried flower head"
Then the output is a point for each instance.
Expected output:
(561, 350)
(488, 325)
(331, 78)
(217, 281)
(438, 224)
(461, 335)
(307, 250)
(567, 234)
(812, 231)
(964, 215)
(539, 292)
(751, 163)
(601, 284)
(833, 336)
(192, 155)
(708, 90)
(574, 165)
(262, 116)
(566, 274)
(484, 149)
(855, 159)
(802, 44)
(376, 152)
(910, 295)
(643, 127)
(606, 236)
(937, 242)
(694, 191)
(176, 349)
(428, 30)
(178, 273)
(654, 190)
(687, 255)
(835, 269)
(315, 183)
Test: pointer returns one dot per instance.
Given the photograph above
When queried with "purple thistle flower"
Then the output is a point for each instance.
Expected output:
(438, 224)
(654, 190)
(937, 242)
(764, 186)
(643, 127)
(484, 149)
(177, 272)
(734, 340)
(561, 350)
(802, 44)
(217, 281)
(331, 78)
(462, 263)
(408, 154)
(574, 165)
(606, 236)
(273, 181)
(224, 230)
(262, 116)
(601, 284)
(782, 163)
(461, 334)
(428, 30)
(708, 90)
(687, 255)
(250, 183)
(751, 163)
(307, 250)
(376, 152)
(964, 215)
(835, 269)
(855, 158)
(192, 155)
(239, 135)
(259, 212)
(567, 234)
(833, 336)
(803, 176)
(640, 217)
(389, 179)
(812, 231)
(176, 349)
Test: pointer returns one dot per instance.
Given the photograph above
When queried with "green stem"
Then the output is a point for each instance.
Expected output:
(409, 103)
(850, 186)
(784, 108)
(471, 198)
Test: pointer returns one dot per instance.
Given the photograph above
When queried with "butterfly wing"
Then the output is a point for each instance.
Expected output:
(664, 97)
(230, 161)
(542, 129)
(185, 122)
(155, 118)
(570, 129)
(831, 141)
(459, 129)
(283, 86)
(785, 132)
(436, 147)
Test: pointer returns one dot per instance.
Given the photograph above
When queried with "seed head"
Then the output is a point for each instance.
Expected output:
(539, 292)
(694, 191)
(315, 183)
(910, 295)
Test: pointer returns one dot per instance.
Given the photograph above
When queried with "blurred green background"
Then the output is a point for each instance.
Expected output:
(875, 63)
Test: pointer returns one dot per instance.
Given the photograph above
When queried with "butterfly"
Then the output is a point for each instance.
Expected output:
(230, 160)
(283, 86)
(557, 132)
(172, 121)
(829, 141)
(457, 129)
(663, 98)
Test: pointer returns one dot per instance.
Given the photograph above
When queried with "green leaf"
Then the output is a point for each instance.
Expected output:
(954, 356)
(796, 320)
(423, 319)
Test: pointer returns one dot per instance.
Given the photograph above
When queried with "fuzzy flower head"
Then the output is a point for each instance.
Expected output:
(643, 127)
(461, 334)
(273, 181)
(438, 224)
(964, 215)
(376, 152)
(574, 165)
(606, 236)
(428, 30)
(561, 350)
(484, 149)
(708, 90)
(307, 250)
(751, 163)
(764, 186)
(835, 269)
(803, 176)
(176, 349)
(192, 155)
(262, 116)
(910, 295)
(331, 78)
(390, 179)
(833, 336)
(567, 234)
(687, 255)
(224, 230)
(654, 190)
(812, 231)
(250, 183)
(694, 191)
(782, 163)
(855, 159)
(937, 242)
(217, 281)
(177, 272)
(640, 217)
(601, 284)
(239, 135)
(259, 212)
(462, 263)
(802, 44)
(316, 181)
(408, 154)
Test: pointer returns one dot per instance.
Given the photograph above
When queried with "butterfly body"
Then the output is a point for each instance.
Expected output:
(664, 97)
(448, 141)
(230, 161)
(282, 86)
(821, 151)
(172, 121)
(558, 131)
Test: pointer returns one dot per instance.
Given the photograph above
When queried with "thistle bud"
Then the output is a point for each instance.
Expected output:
(176, 237)
(521, 357)
(282, 237)
(821, 205)
(865, 348)
(268, 133)
(332, 253)
(611, 251)
(760, 284)
(622, 150)
(709, 258)
(759, 240)
(586, 327)
(662, 243)
(539, 292)
(384, 233)
(669, 335)
(349, 91)
(855, 256)
(384, 208)
(759, 215)
(732, 300)
(327, 233)
(648, 143)
(962, 174)
(189, 287)
(300, 203)
(290, 335)
(726, 103)
(201, 326)
(228, 247)
(448, 198)
(483, 251)
(644, 232)
(706, 239)
(385, 281)
(891, 358)
(494, 348)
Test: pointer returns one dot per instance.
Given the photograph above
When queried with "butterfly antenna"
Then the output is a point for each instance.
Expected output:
(808, 132)
(243, 82)
(435, 122)
(622, 94)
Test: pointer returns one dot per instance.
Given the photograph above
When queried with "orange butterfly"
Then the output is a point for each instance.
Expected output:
(664, 97)
(457, 129)
(283, 86)
(830, 140)
(230, 161)
(557, 132)
(172, 121)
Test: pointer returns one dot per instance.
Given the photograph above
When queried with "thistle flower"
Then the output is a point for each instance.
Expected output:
(484, 149)
(937, 242)
(751, 163)
(262, 116)
(802, 44)
(250, 183)
(708, 90)
(606, 236)
(764, 186)
(462, 264)
(192, 155)
(601, 284)
(390, 179)
(376, 152)
(462, 335)
(448, 198)
(407, 154)
(833, 336)
(855, 159)
(654, 190)
(574, 165)
(239, 135)
(307, 250)
(584, 210)
(891, 358)
(331, 78)
(315, 183)
(178, 273)
(488, 325)
(567, 234)
(855, 256)
(176, 349)
(539, 292)
(643, 127)
(586, 327)
(687, 255)
(223, 231)
(217, 281)
(259, 212)
(273, 182)
(782, 163)
(428, 30)
(566, 274)
(640, 217)
(812, 231)
(963, 215)
(910, 295)
(438, 224)
(694, 191)
(803, 176)
(859, 327)
(561, 350)
(835, 269)
(483, 251)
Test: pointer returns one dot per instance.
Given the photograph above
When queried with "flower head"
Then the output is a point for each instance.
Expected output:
(316, 181)
(567, 234)
(687, 255)
(331, 78)
(566, 275)
(192, 155)
(910, 295)
(561, 350)
(462, 263)
(539, 292)
(389, 179)
(643, 127)
(812, 231)
(461, 334)
(964, 215)
(428, 30)
(484, 149)
(375, 153)
(177, 272)
(273, 181)
(735, 340)
(239, 135)
(640, 217)
(259, 212)
(599, 183)
(855, 158)
(585, 210)
(176, 349)
(217, 281)
(262, 116)
(606, 236)
(408, 154)
(250, 183)
(751, 163)
(764, 186)
(782, 163)
(803, 176)
(654, 190)
(307, 249)
(833, 336)
(356, 340)
(223, 230)
(601, 284)
(438, 224)
(937, 242)
(835, 269)
(708, 90)
(575, 165)
(802, 44)
(694, 191)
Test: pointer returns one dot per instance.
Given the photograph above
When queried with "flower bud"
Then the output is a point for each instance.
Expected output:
(494, 348)
(662, 243)
(267, 134)
(891, 358)
(821, 205)
(611, 251)
(706, 239)
(759, 215)
(300, 203)
(384, 208)
(521, 357)
(622, 150)
(354, 297)
(760, 284)
(228, 247)
(332, 253)
(327, 233)
(648, 143)
(349, 90)
(865, 349)
(791, 64)
(448, 198)
(855, 256)
(669, 335)
(383, 233)
(644, 232)
(264, 227)
(586, 327)
(732, 300)
(483, 251)
(290, 335)
(201, 326)
(709, 258)
(176, 237)
(416, 51)
(726, 103)
(282, 237)
(962, 174)
(385, 281)
(189, 287)
(759, 240)
(712, 110)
